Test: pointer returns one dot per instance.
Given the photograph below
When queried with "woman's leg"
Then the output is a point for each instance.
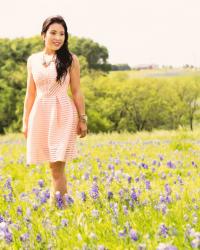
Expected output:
(59, 182)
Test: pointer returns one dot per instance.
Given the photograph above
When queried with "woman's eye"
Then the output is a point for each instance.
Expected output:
(53, 33)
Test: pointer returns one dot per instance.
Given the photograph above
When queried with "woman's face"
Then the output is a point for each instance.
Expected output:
(54, 37)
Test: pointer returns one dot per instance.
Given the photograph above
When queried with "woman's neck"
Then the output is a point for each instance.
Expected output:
(49, 52)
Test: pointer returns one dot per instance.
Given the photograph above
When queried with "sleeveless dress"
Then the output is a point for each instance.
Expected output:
(53, 119)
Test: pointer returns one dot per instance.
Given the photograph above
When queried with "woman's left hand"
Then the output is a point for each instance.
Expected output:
(82, 129)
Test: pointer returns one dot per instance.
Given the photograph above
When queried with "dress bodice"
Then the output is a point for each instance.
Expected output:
(45, 77)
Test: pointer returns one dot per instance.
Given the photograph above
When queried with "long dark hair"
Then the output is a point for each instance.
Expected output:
(64, 57)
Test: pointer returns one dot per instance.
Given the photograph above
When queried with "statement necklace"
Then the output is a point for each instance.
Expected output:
(45, 62)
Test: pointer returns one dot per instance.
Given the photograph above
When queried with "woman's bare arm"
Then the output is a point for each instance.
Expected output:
(30, 94)
(77, 94)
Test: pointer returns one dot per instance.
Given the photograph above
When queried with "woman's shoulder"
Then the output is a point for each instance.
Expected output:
(75, 60)
(32, 58)
(74, 56)
(34, 55)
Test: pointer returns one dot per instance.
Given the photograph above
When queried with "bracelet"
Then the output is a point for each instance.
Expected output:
(83, 117)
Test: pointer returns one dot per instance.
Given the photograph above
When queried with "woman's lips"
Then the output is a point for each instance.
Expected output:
(57, 44)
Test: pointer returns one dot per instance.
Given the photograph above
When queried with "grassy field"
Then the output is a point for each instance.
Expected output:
(127, 191)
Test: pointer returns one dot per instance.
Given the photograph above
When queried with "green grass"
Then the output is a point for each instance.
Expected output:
(97, 152)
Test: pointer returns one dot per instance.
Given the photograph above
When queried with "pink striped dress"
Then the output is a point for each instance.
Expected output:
(53, 120)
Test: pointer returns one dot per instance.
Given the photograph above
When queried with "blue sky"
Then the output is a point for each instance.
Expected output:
(164, 32)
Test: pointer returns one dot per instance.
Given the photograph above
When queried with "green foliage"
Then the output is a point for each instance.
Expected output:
(115, 101)
(95, 54)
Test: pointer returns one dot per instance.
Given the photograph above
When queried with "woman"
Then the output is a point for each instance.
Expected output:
(51, 119)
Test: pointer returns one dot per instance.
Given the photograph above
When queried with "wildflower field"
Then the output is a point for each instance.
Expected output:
(125, 191)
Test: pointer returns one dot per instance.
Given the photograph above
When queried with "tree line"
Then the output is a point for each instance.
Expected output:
(114, 100)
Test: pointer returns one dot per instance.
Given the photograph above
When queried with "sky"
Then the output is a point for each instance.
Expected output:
(162, 32)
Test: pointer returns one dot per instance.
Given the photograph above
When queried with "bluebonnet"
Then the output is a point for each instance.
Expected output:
(133, 235)
(41, 183)
(83, 196)
(110, 195)
(69, 200)
(94, 192)
(39, 237)
(163, 230)
(59, 201)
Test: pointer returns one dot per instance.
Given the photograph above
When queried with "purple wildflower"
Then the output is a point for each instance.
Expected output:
(122, 233)
(168, 199)
(180, 180)
(133, 195)
(148, 184)
(115, 209)
(129, 179)
(117, 161)
(83, 196)
(95, 178)
(121, 193)
(8, 184)
(19, 210)
(64, 222)
(43, 199)
(133, 235)
(39, 237)
(163, 230)
(111, 167)
(195, 243)
(163, 176)
(170, 164)
(161, 157)
(59, 201)
(131, 204)
(86, 176)
(47, 193)
(69, 200)
(110, 195)
(137, 179)
(194, 164)
(24, 237)
(34, 190)
(5, 233)
(134, 162)
(99, 165)
(8, 236)
(41, 183)
(94, 193)
(125, 209)
(162, 198)
(154, 162)
(1, 218)
(168, 189)
(144, 165)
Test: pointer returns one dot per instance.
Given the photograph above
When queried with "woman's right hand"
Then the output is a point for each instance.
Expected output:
(25, 129)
